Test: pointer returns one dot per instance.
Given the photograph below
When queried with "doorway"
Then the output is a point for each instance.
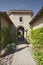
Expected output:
(20, 33)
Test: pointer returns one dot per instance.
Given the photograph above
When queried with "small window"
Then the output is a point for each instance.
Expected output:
(20, 19)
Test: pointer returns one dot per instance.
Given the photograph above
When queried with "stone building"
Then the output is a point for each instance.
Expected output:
(21, 22)
(21, 19)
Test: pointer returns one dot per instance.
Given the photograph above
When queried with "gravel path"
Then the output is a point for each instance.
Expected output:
(22, 56)
(6, 60)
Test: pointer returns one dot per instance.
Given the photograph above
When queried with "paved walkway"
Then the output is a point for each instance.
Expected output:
(22, 56)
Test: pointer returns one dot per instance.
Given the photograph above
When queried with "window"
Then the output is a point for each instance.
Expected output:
(20, 19)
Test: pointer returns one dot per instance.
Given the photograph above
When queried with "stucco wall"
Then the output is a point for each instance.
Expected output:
(25, 20)
(38, 23)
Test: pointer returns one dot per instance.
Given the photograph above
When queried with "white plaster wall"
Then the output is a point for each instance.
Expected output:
(25, 20)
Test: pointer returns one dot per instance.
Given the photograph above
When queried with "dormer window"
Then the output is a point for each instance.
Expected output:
(20, 19)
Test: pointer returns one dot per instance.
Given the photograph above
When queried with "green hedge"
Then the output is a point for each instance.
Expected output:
(36, 36)
(38, 55)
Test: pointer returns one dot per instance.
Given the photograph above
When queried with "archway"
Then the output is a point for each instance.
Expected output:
(20, 33)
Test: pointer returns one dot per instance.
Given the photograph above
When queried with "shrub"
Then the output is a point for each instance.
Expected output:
(36, 36)
(0, 37)
(5, 36)
(10, 47)
(38, 56)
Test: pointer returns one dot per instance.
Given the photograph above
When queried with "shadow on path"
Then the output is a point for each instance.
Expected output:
(13, 50)
(19, 49)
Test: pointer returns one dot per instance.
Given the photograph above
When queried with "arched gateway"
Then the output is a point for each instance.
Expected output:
(20, 33)
(21, 19)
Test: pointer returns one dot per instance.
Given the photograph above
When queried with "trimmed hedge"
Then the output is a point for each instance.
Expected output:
(38, 55)
(36, 36)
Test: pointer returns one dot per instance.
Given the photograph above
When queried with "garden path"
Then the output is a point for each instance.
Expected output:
(23, 56)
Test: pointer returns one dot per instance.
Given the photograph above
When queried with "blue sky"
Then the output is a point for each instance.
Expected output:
(35, 5)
